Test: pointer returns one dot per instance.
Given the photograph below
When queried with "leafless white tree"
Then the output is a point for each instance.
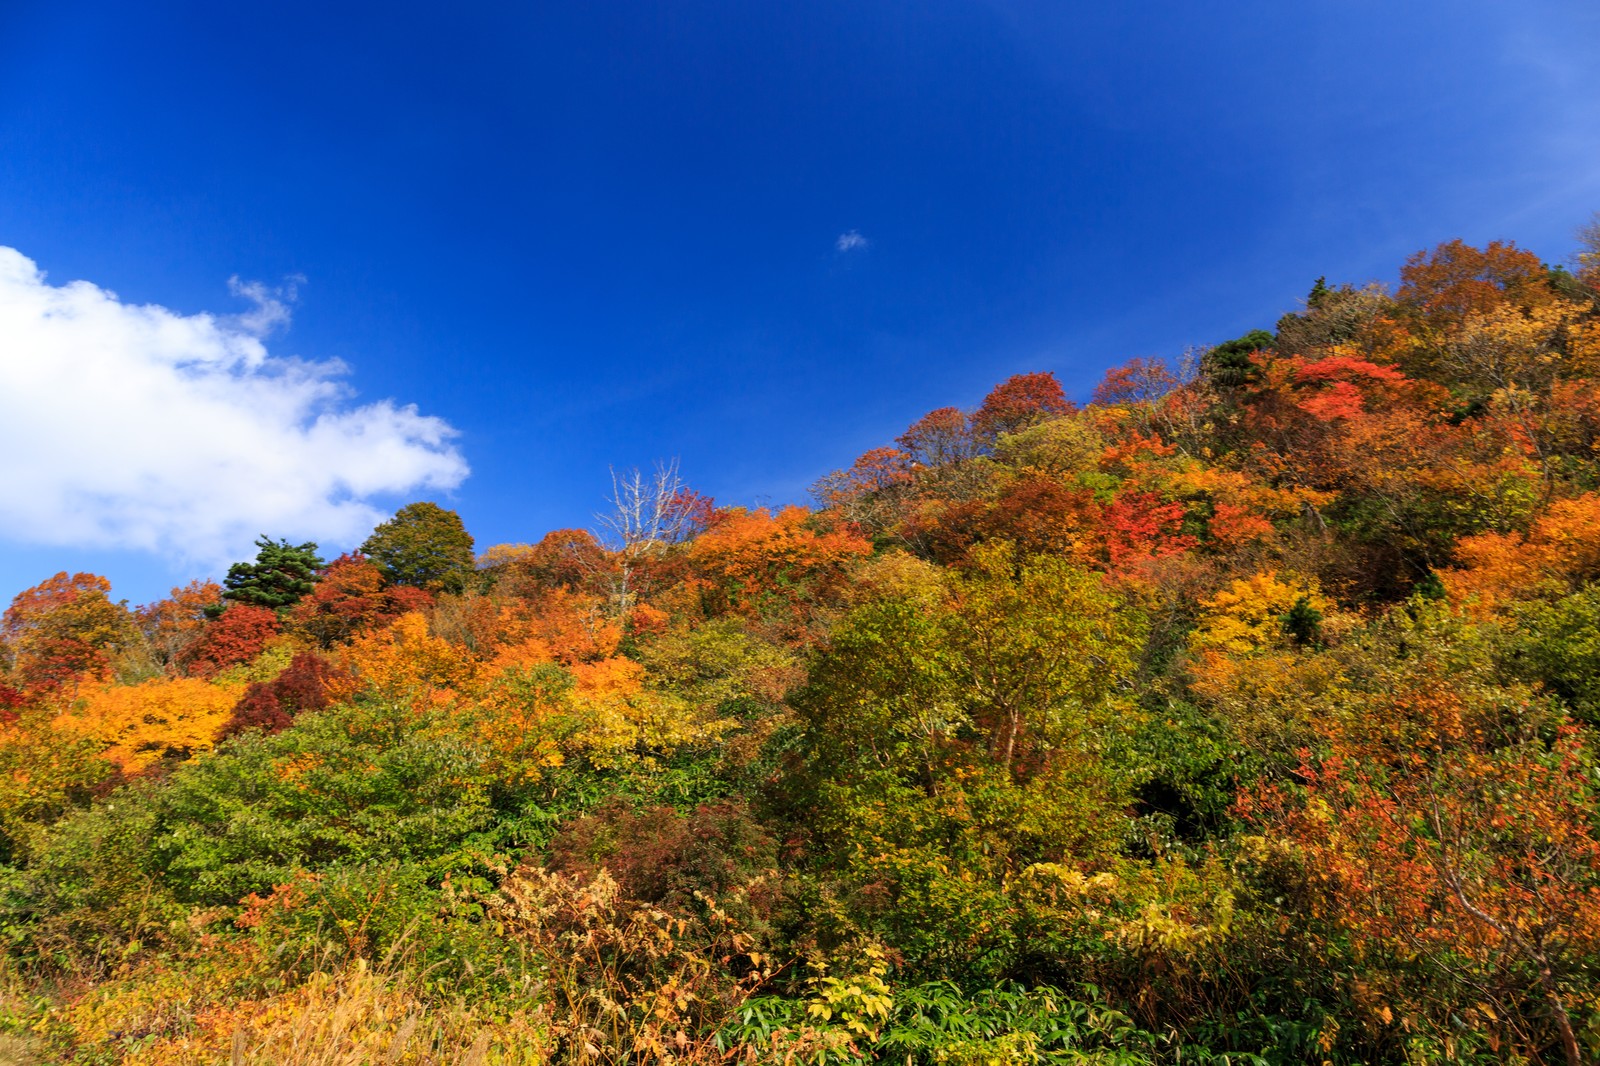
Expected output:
(647, 513)
(645, 510)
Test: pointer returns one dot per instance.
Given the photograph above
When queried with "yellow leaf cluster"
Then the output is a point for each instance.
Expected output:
(139, 724)
(624, 721)
(1247, 616)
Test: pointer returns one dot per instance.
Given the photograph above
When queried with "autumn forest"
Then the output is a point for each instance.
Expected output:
(1244, 712)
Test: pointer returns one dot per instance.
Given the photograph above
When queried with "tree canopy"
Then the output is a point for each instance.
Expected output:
(423, 546)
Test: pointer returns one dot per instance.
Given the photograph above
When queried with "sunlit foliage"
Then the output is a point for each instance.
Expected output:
(1245, 714)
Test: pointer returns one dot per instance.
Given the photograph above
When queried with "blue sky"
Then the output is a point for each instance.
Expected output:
(592, 235)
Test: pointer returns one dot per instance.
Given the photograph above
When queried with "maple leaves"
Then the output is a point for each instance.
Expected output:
(1340, 385)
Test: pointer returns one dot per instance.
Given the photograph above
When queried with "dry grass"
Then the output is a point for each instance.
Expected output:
(360, 1017)
(620, 982)
(357, 1015)
(14, 1051)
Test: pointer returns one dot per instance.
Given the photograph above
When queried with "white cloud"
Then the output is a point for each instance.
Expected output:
(850, 242)
(138, 427)
(272, 305)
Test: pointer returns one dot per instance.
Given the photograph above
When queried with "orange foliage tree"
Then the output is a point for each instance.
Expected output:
(1138, 381)
(1441, 832)
(1456, 280)
(755, 560)
(64, 629)
(1560, 551)
(406, 665)
(564, 558)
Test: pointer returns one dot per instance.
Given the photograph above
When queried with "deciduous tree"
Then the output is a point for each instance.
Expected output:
(1020, 401)
(423, 546)
(352, 598)
(62, 630)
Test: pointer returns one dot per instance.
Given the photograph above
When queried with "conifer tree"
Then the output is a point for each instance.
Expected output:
(281, 575)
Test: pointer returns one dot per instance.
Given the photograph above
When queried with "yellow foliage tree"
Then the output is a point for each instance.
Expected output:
(1248, 615)
(43, 771)
(140, 724)
(1246, 664)
(623, 721)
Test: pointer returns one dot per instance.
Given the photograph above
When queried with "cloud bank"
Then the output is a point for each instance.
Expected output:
(137, 427)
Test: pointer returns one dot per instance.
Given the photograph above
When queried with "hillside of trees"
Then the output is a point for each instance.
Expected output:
(1245, 713)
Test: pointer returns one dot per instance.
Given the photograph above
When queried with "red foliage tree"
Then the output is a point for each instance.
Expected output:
(352, 598)
(1018, 402)
(1138, 526)
(236, 636)
(1441, 826)
(271, 706)
(11, 699)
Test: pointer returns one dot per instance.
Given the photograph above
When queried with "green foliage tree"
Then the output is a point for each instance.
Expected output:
(1558, 645)
(280, 577)
(1303, 622)
(1228, 364)
(424, 546)
(959, 736)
